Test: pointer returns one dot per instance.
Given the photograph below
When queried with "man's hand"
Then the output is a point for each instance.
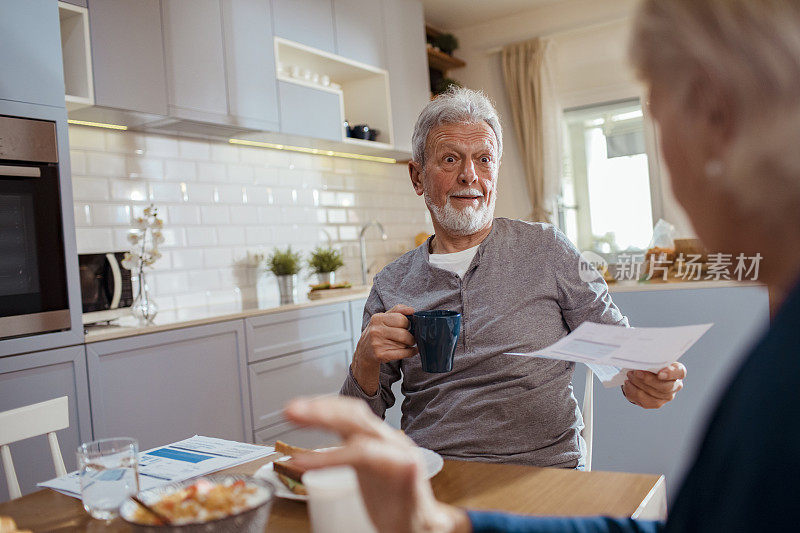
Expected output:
(386, 338)
(651, 390)
(390, 469)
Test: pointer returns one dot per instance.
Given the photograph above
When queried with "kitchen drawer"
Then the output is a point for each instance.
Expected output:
(308, 373)
(292, 331)
(291, 434)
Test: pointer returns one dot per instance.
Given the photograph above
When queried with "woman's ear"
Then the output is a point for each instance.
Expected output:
(416, 174)
(714, 111)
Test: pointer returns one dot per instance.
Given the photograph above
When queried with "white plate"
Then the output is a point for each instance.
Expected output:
(433, 464)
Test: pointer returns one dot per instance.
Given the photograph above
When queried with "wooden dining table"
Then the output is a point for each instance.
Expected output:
(472, 485)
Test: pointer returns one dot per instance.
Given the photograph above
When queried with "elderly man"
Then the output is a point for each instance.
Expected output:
(518, 289)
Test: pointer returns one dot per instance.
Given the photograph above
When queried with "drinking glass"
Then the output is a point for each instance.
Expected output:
(109, 472)
(334, 501)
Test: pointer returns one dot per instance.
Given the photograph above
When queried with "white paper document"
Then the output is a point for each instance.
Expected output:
(610, 350)
(179, 461)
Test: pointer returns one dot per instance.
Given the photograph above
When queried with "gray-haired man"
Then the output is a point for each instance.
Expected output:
(517, 287)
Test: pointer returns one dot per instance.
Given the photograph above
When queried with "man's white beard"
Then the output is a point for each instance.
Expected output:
(465, 221)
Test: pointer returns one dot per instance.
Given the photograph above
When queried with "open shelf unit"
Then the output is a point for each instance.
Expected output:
(76, 55)
(364, 89)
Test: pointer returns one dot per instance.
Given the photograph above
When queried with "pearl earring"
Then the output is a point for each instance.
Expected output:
(714, 168)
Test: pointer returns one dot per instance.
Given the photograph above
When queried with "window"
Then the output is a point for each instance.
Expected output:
(605, 197)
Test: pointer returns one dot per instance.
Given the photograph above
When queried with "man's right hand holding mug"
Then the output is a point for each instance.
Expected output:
(386, 338)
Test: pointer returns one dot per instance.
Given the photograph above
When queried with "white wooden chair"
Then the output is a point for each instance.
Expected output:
(588, 418)
(31, 421)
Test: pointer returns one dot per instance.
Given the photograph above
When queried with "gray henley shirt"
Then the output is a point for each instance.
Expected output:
(521, 292)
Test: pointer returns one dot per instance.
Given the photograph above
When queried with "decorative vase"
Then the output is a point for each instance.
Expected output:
(144, 308)
(286, 286)
(326, 277)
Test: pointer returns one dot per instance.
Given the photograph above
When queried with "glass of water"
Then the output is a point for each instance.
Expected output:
(109, 475)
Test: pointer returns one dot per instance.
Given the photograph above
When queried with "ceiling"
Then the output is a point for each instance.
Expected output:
(455, 14)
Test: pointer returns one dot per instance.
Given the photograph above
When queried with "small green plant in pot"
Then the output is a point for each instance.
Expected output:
(285, 264)
(324, 262)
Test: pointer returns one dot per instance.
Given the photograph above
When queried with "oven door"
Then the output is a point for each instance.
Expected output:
(33, 281)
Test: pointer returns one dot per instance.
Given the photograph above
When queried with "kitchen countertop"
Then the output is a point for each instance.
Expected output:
(128, 326)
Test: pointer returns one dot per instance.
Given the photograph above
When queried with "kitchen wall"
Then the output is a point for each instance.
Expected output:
(221, 202)
(591, 67)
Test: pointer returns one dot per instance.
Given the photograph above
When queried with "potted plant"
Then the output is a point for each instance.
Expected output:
(285, 264)
(324, 262)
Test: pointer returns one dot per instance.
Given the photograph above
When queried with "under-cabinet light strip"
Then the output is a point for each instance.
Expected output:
(315, 151)
(98, 124)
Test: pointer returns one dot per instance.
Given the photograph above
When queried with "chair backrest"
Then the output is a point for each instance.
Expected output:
(31, 421)
(588, 416)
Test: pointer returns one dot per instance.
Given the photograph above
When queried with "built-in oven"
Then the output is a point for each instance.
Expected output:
(33, 278)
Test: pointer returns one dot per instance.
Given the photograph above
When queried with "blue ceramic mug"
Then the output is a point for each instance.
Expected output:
(436, 333)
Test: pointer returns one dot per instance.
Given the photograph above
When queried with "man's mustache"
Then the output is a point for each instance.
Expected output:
(466, 192)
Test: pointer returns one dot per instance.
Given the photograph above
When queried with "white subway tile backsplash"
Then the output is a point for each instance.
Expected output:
(218, 257)
(165, 192)
(90, 188)
(337, 216)
(221, 152)
(161, 146)
(215, 215)
(184, 214)
(241, 174)
(100, 164)
(200, 193)
(77, 162)
(93, 240)
(201, 236)
(194, 150)
(231, 235)
(187, 258)
(221, 203)
(214, 172)
(124, 142)
(86, 138)
(180, 170)
(259, 236)
(141, 167)
(111, 215)
(129, 190)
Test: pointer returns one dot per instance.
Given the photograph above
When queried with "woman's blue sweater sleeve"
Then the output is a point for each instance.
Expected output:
(488, 522)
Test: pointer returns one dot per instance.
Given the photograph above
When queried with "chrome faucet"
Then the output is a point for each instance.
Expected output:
(363, 244)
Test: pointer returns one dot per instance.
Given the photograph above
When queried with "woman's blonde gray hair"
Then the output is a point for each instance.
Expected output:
(749, 49)
(458, 105)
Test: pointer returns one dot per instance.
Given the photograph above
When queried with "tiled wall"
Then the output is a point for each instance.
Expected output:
(220, 201)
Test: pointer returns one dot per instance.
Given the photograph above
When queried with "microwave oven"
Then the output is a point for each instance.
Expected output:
(106, 287)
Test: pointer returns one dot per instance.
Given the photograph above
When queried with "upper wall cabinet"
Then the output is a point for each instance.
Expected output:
(195, 59)
(250, 63)
(406, 61)
(31, 70)
(359, 31)
(309, 22)
(128, 55)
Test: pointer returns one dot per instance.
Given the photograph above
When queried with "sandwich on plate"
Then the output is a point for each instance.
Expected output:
(287, 471)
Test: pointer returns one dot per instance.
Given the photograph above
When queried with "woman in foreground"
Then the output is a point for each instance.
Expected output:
(724, 82)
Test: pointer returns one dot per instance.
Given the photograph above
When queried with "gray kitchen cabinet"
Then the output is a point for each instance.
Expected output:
(128, 55)
(308, 22)
(310, 112)
(37, 377)
(250, 63)
(287, 332)
(359, 31)
(167, 386)
(356, 319)
(31, 69)
(308, 373)
(407, 63)
(195, 59)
